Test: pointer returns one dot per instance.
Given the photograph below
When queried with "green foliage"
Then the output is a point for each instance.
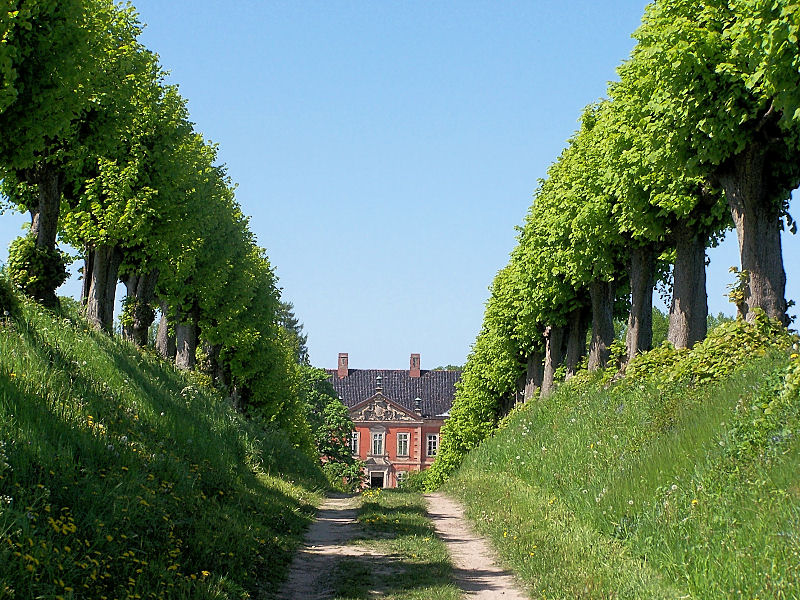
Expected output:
(714, 321)
(123, 476)
(36, 271)
(134, 309)
(331, 427)
(289, 321)
(737, 291)
(726, 348)
(660, 327)
(49, 63)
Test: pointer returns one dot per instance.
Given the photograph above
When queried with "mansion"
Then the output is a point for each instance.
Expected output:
(397, 416)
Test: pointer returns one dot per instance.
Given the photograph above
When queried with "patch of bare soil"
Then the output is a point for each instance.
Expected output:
(475, 569)
(326, 541)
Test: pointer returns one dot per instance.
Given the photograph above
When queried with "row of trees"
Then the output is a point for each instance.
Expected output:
(99, 149)
(700, 133)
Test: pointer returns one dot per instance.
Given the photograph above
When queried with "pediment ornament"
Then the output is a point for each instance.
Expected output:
(380, 410)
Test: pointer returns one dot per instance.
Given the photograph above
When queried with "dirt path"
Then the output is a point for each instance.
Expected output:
(475, 570)
(327, 540)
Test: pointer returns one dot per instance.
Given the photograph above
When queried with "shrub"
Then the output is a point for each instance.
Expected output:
(36, 271)
(416, 481)
(725, 348)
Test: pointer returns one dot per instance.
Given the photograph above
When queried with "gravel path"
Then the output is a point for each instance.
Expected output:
(475, 570)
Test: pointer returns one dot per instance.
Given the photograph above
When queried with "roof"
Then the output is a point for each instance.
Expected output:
(435, 389)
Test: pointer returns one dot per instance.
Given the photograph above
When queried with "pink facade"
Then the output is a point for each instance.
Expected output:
(391, 440)
(397, 416)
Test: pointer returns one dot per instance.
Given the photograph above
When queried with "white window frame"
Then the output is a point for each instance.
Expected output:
(378, 436)
(432, 446)
(400, 477)
(405, 437)
(355, 442)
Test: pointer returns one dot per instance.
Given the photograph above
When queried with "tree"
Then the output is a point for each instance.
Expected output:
(289, 321)
(331, 426)
(717, 81)
(59, 54)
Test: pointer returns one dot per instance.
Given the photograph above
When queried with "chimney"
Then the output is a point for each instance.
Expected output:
(343, 371)
(413, 370)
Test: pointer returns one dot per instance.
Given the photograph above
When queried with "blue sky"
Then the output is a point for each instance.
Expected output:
(385, 151)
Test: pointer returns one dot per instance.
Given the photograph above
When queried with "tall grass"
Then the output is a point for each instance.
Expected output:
(648, 490)
(121, 477)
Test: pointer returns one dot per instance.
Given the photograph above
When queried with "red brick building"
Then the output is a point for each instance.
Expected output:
(397, 416)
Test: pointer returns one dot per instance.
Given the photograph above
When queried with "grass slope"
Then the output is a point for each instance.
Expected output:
(121, 477)
(650, 489)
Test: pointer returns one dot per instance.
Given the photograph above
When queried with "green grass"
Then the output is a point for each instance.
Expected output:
(407, 560)
(647, 491)
(121, 477)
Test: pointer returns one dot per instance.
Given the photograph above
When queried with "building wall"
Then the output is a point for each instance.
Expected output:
(416, 460)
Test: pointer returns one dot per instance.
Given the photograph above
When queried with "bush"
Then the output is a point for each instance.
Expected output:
(36, 271)
(344, 477)
(416, 481)
(726, 347)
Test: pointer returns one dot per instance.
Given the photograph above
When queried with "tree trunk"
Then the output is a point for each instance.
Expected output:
(576, 340)
(141, 291)
(759, 232)
(211, 365)
(688, 314)
(554, 339)
(166, 344)
(640, 320)
(534, 375)
(602, 295)
(49, 181)
(88, 265)
(44, 217)
(103, 287)
(186, 334)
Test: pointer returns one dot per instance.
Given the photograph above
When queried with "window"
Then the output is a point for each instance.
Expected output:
(402, 444)
(355, 438)
(433, 443)
(401, 477)
(377, 443)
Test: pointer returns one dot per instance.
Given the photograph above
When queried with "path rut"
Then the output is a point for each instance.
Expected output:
(475, 569)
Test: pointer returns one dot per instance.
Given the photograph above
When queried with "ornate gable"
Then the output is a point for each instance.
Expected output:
(380, 408)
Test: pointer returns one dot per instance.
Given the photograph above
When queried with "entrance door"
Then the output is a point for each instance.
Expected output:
(376, 480)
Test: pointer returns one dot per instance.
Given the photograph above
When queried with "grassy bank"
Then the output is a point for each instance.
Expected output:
(678, 481)
(403, 557)
(121, 477)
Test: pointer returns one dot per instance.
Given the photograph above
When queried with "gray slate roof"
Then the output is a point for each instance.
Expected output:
(435, 388)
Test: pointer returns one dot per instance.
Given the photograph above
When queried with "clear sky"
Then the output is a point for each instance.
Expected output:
(385, 151)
